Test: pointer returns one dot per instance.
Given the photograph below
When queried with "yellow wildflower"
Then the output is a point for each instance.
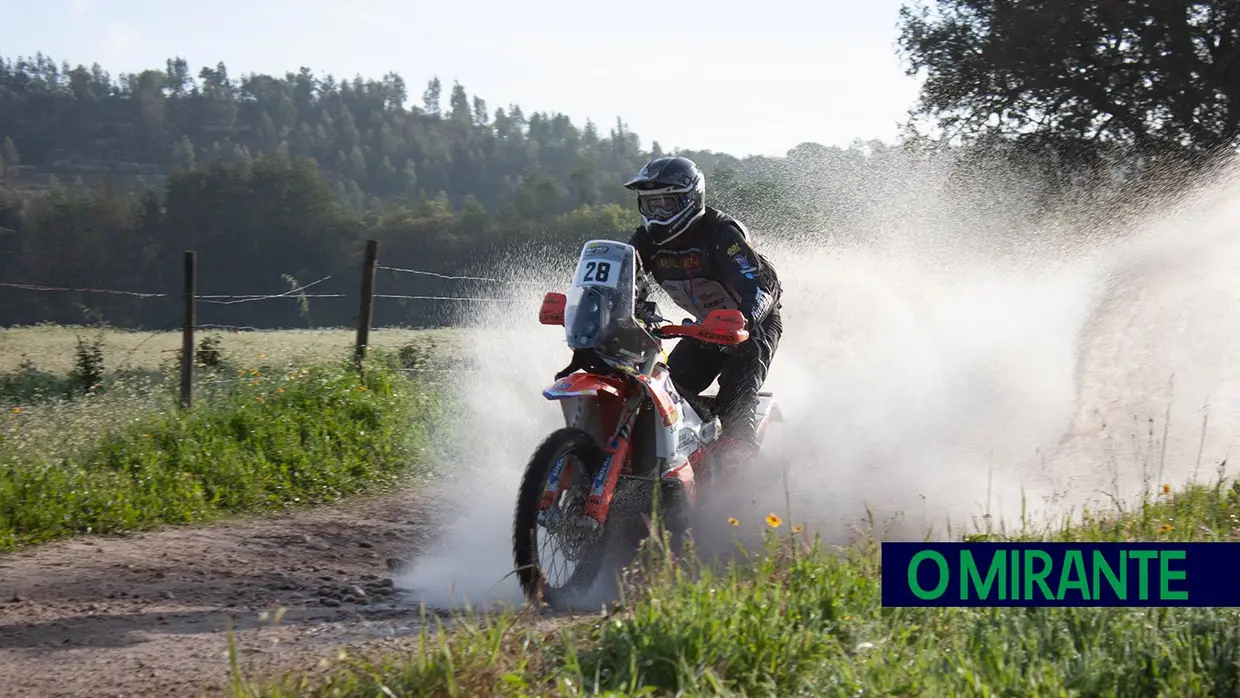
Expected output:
(798, 528)
(773, 521)
(733, 521)
(1166, 489)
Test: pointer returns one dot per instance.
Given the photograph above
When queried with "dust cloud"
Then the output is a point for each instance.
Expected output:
(952, 367)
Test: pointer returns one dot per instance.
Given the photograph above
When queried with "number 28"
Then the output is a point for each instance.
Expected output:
(597, 271)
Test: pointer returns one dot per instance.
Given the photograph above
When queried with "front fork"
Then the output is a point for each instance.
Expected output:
(603, 487)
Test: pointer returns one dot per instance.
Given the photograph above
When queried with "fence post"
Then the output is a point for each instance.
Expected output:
(189, 290)
(365, 313)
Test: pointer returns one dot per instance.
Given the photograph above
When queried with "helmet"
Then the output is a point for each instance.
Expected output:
(671, 193)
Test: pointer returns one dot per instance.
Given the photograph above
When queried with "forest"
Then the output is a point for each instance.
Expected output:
(278, 180)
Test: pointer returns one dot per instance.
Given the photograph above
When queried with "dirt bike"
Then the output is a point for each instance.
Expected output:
(626, 425)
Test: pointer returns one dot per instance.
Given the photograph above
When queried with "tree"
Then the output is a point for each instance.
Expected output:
(148, 119)
(1157, 78)
(459, 102)
(430, 98)
(584, 179)
(183, 154)
(290, 175)
(481, 118)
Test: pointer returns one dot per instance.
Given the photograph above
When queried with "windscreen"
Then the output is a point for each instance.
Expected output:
(599, 312)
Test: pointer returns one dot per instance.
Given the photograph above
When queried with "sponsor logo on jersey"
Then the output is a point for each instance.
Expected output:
(691, 261)
(746, 268)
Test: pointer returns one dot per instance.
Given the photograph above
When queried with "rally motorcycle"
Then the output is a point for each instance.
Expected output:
(627, 429)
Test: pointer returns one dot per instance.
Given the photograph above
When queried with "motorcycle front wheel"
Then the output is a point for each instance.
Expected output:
(564, 521)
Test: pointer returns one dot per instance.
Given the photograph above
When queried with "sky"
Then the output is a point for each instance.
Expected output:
(746, 78)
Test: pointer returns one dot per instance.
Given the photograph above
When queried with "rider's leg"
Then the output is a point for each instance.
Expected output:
(743, 373)
(694, 366)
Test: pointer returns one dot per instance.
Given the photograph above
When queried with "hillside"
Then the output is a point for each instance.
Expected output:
(278, 180)
(367, 137)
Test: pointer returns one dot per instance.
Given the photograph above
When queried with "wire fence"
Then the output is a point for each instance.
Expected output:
(191, 299)
(232, 299)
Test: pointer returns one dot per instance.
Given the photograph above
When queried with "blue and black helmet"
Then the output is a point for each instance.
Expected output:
(671, 196)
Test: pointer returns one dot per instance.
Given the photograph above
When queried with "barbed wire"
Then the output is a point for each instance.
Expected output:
(260, 297)
(216, 299)
(233, 328)
(421, 272)
(450, 298)
(251, 299)
(295, 293)
(35, 287)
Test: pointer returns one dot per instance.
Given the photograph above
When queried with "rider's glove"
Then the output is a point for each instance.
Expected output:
(647, 311)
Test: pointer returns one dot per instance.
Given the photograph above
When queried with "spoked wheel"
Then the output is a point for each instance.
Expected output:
(558, 553)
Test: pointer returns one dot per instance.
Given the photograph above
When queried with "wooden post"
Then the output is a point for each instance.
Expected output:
(365, 313)
(188, 291)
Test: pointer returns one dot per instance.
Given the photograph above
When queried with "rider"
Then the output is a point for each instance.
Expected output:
(704, 259)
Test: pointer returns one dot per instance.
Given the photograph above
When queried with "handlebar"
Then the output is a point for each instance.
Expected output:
(714, 331)
(703, 334)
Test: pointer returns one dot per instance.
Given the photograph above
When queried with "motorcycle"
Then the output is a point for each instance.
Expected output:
(629, 435)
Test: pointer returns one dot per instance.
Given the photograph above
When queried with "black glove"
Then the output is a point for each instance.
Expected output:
(647, 311)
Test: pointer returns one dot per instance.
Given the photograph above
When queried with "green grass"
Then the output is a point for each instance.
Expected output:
(120, 456)
(801, 619)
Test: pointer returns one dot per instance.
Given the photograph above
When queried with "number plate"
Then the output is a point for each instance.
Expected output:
(600, 266)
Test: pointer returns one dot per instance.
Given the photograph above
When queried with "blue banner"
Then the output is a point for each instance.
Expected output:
(1061, 574)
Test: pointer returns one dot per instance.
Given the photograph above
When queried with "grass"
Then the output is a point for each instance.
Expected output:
(281, 420)
(801, 619)
(86, 450)
(52, 347)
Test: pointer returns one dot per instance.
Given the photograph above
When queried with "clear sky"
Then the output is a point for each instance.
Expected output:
(753, 77)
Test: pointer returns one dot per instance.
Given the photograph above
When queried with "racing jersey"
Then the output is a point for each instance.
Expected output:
(712, 265)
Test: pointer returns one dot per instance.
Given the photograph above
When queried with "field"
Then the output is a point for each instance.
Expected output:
(280, 418)
(96, 460)
(804, 620)
(51, 347)
(93, 468)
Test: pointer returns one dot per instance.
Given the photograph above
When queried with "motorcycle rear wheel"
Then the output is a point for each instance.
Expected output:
(528, 532)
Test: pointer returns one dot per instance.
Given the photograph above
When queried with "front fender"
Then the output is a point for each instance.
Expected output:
(583, 385)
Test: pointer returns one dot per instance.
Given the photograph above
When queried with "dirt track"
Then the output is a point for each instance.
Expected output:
(147, 614)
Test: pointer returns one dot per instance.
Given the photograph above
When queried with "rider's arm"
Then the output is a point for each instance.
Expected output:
(638, 241)
(742, 270)
(645, 309)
